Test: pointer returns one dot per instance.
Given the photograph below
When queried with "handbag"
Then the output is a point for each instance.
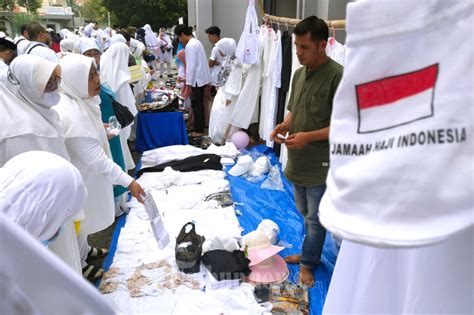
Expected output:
(188, 249)
(123, 114)
(148, 57)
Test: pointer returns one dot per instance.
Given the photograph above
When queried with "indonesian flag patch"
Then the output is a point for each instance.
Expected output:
(398, 100)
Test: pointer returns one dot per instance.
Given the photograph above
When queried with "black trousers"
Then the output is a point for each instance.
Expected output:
(197, 103)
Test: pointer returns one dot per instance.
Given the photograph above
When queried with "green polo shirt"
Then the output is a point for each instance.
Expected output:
(310, 105)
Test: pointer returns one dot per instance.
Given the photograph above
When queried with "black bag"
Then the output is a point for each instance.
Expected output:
(122, 113)
(148, 57)
(188, 258)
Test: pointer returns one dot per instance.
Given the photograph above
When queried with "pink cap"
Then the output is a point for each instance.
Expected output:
(272, 270)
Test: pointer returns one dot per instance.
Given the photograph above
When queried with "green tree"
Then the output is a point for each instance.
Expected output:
(31, 5)
(94, 10)
(19, 19)
(8, 5)
(139, 12)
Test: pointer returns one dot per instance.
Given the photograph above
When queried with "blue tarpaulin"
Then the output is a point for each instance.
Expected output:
(257, 204)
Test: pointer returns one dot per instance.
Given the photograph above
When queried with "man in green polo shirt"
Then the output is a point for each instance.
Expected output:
(307, 123)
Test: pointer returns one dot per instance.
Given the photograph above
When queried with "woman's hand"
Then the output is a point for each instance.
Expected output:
(137, 191)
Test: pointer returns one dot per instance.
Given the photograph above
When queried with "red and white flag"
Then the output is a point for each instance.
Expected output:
(398, 100)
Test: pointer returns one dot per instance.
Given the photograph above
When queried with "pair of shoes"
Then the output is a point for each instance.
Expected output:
(96, 253)
(92, 272)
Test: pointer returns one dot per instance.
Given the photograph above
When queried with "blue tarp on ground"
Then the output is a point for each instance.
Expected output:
(257, 204)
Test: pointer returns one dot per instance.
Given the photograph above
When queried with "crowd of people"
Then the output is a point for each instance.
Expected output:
(58, 96)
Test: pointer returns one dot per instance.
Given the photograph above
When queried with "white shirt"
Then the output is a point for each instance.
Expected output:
(21, 45)
(41, 50)
(197, 69)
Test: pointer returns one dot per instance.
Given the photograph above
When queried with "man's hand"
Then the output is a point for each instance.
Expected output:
(279, 129)
(297, 140)
(137, 191)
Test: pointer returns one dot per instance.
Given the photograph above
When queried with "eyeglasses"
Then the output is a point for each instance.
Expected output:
(52, 84)
(11, 77)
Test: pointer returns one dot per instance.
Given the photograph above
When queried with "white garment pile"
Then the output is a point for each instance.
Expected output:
(164, 289)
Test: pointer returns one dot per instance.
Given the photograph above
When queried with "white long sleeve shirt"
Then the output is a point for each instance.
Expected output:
(92, 156)
(42, 50)
(197, 68)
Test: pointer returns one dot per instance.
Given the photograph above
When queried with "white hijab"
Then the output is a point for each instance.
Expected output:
(117, 38)
(88, 44)
(226, 46)
(139, 50)
(22, 108)
(39, 191)
(114, 72)
(80, 113)
(150, 38)
(67, 45)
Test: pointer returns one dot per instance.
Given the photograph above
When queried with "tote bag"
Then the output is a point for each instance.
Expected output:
(247, 50)
(401, 139)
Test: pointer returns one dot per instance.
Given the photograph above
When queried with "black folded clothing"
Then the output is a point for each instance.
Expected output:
(190, 164)
(224, 265)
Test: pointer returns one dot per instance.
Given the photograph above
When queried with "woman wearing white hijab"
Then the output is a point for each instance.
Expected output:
(152, 44)
(114, 72)
(67, 47)
(28, 89)
(88, 147)
(166, 54)
(141, 85)
(39, 192)
(226, 96)
(117, 38)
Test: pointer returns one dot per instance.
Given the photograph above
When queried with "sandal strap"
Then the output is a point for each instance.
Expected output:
(92, 272)
(96, 252)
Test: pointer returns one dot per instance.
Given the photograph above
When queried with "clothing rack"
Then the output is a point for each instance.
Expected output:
(332, 24)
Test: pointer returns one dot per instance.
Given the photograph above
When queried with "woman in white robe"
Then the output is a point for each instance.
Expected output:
(152, 45)
(114, 72)
(39, 192)
(87, 144)
(28, 90)
(166, 53)
(230, 82)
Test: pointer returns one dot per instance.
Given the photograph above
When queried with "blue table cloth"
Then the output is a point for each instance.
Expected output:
(156, 130)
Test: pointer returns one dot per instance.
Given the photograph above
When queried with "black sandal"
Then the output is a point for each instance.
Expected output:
(92, 272)
(96, 253)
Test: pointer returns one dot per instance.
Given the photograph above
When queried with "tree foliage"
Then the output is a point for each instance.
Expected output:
(17, 20)
(94, 10)
(31, 6)
(139, 12)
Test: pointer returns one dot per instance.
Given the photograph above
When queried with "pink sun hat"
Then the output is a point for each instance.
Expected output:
(272, 270)
(259, 247)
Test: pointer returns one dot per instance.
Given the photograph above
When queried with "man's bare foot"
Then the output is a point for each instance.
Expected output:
(306, 276)
(293, 259)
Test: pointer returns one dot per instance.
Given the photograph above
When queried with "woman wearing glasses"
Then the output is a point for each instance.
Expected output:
(86, 141)
(28, 89)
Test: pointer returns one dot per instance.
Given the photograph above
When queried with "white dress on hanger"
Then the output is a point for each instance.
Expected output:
(271, 84)
(295, 64)
(248, 98)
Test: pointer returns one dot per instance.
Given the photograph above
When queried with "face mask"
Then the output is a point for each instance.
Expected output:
(50, 99)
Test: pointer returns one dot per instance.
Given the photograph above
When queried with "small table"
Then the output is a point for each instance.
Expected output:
(156, 130)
